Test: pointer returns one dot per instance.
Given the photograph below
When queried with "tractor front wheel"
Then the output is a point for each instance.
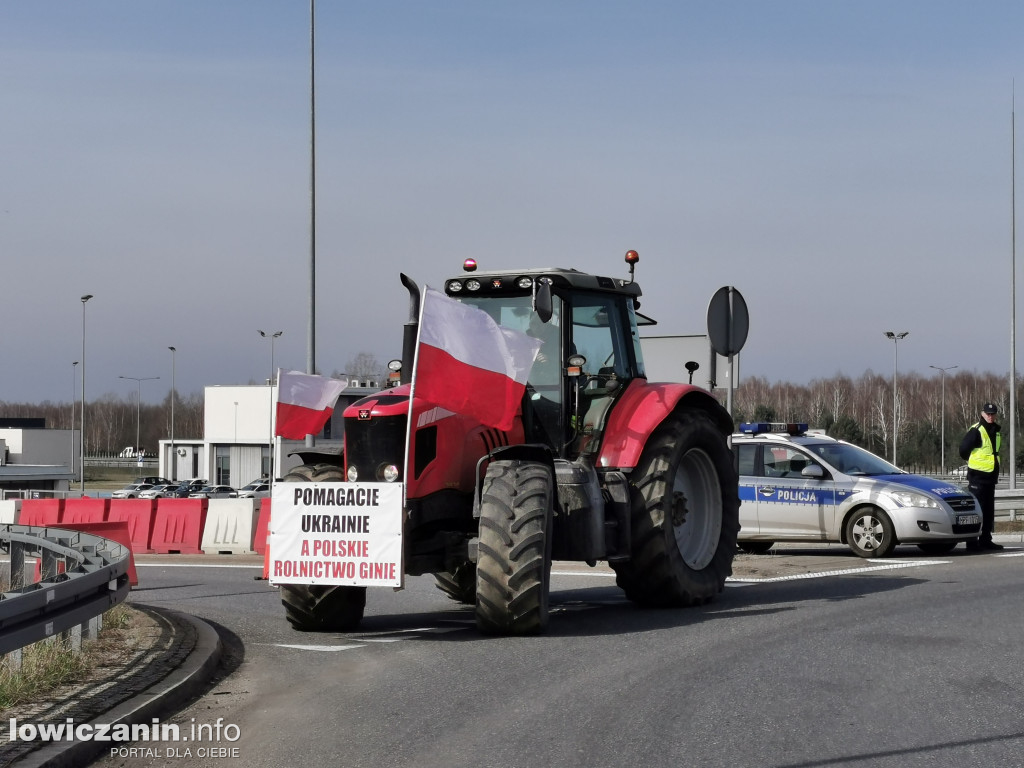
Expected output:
(513, 566)
(326, 607)
(685, 515)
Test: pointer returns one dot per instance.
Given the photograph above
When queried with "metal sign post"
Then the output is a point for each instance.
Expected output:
(728, 323)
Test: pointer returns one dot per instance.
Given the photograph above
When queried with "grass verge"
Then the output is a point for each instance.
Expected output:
(49, 664)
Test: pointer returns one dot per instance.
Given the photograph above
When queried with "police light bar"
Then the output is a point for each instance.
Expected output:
(777, 427)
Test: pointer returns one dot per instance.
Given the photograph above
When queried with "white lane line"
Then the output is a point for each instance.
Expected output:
(320, 648)
(739, 582)
(195, 565)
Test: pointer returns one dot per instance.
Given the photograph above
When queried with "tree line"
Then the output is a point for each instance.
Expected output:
(110, 420)
(862, 411)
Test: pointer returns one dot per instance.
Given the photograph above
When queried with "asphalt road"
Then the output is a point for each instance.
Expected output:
(903, 662)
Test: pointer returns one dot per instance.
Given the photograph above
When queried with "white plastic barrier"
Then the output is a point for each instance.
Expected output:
(9, 509)
(230, 526)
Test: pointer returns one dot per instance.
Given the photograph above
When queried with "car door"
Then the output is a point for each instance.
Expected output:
(791, 505)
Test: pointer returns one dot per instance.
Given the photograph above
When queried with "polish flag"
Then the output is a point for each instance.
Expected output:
(469, 364)
(304, 403)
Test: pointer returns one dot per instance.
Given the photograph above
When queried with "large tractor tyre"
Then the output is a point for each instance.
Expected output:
(460, 584)
(513, 567)
(685, 515)
(328, 607)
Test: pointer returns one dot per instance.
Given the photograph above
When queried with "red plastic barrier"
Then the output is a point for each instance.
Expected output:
(41, 512)
(262, 528)
(115, 532)
(139, 514)
(85, 510)
(178, 526)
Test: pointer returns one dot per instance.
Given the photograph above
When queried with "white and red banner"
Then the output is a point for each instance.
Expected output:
(304, 403)
(336, 533)
(469, 364)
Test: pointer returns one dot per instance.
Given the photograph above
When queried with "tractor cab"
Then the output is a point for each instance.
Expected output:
(590, 346)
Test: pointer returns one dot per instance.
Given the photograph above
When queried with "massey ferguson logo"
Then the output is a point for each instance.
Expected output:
(364, 414)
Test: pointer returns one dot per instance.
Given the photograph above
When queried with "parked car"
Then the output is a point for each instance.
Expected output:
(257, 489)
(214, 492)
(799, 487)
(131, 491)
(154, 480)
(158, 491)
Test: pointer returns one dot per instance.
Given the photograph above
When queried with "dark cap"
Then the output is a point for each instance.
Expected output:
(989, 408)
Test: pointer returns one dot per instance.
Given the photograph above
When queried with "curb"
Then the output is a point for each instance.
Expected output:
(162, 698)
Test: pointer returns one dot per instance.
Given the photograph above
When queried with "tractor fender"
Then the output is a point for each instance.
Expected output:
(642, 407)
(524, 451)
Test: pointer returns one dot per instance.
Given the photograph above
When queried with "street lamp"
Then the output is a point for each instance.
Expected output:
(270, 419)
(896, 345)
(81, 439)
(174, 456)
(138, 404)
(272, 337)
(74, 387)
(942, 416)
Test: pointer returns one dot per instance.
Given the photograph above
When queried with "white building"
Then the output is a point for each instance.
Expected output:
(238, 436)
(37, 459)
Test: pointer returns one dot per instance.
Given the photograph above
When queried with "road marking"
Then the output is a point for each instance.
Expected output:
(322, 648)
(744, 581)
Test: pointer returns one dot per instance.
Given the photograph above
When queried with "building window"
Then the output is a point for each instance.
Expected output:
(265, 461)
(223, 467)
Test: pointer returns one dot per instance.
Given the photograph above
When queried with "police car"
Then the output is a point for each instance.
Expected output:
(797, 486)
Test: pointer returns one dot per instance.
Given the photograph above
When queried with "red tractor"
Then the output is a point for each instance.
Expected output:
(600, 465)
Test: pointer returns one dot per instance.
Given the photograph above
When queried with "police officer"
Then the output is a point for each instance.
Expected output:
(980, 448)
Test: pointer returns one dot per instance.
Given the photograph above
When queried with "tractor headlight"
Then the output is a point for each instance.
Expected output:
(352, 474)
(387, 472)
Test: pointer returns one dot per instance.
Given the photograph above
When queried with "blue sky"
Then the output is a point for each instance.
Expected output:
(845, 165)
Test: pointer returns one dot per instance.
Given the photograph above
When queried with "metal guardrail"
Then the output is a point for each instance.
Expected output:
(82, 575)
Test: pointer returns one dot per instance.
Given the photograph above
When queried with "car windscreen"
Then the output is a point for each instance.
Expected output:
(851, 460)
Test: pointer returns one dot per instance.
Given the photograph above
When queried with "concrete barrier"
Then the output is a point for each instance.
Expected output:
(178, 526)
(230, 526)
(85, 510)
(139, 514)
(9, 511)
(262, 528)
(41, 512)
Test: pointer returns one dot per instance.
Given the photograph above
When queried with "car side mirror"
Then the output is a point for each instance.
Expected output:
(813, 471)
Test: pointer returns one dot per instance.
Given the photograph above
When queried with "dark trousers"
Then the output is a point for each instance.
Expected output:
(985, 493)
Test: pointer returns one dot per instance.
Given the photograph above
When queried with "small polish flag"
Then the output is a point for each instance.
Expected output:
(304, 403)
(469, 364)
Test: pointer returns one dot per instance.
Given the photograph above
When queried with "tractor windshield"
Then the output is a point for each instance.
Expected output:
(542, 413)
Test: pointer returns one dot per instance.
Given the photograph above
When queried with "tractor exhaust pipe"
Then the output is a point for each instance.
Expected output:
(411, 328)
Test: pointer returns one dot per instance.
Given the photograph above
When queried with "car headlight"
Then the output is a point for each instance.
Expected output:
(911, 499)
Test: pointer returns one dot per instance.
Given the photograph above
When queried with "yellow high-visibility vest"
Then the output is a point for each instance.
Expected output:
(983, 459)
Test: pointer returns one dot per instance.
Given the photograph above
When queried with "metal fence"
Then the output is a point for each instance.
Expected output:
(82, 575)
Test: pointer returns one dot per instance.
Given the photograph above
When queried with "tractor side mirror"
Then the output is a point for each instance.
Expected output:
(542, 299)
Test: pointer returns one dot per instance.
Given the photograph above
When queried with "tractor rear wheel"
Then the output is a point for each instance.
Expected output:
(685, 515)
(513, 567)
(460, 584)
(321, 607)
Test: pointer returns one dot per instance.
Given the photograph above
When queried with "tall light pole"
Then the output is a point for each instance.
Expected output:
(270, 421)
(272, 337)
(174, 456)
(138, 404)
(895, 365)
(81, 439)
(942, 416)
(74, 388)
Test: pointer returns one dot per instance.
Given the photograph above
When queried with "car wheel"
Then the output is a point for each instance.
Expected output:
(755, 547)
(937, 547)
(869, 533)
